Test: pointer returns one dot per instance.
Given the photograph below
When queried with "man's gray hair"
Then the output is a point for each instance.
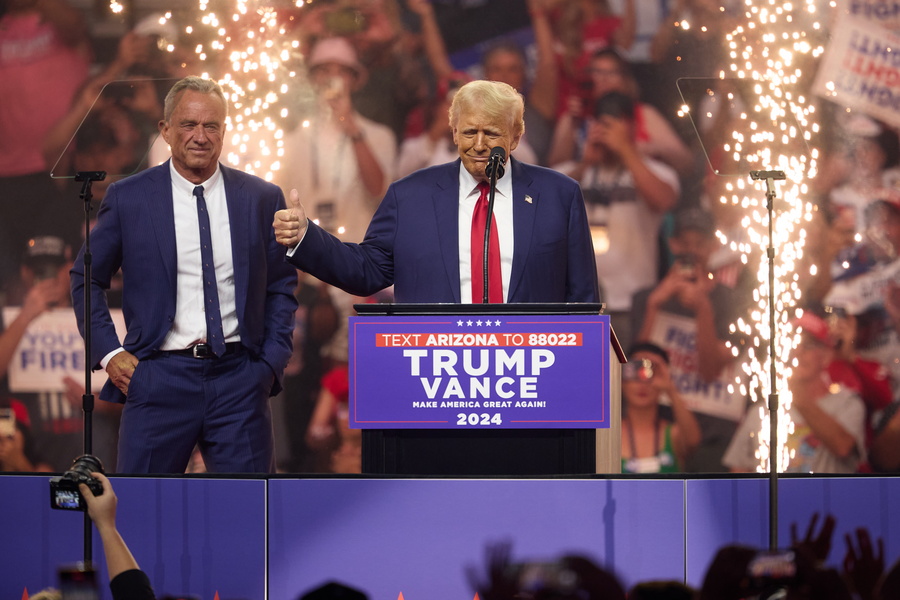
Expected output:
(197, 84)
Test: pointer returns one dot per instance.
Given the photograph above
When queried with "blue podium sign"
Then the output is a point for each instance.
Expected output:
(479, 372)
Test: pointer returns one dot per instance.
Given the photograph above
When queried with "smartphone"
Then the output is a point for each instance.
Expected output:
(637, 370)
(345, 21)
(772, 568)
(546, 578)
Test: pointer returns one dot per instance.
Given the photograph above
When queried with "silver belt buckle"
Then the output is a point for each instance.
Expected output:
(201, 350)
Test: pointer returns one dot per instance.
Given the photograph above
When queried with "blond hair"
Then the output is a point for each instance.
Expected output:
(498, 100)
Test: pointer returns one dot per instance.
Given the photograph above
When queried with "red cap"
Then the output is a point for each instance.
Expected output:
(20, 412)
(815, 326)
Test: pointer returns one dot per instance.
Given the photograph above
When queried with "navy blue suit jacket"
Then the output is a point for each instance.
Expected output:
(136, 231)
(413, 241)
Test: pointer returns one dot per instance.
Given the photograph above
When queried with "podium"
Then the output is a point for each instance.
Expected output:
(496, 452)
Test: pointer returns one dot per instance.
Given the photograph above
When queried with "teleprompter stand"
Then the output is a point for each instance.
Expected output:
(87, 399)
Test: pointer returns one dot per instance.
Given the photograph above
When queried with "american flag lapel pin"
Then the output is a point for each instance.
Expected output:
(527, 198)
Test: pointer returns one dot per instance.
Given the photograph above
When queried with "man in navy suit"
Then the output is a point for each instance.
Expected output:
(422, 239)
(207, 299)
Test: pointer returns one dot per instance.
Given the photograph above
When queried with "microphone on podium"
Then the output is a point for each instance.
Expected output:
(496, 162)
(494, 170)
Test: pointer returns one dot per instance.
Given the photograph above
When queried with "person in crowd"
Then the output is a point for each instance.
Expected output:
(627, 194)
(868, 286)
(868, 157)
(315, 323)
(829, 419)
(654, 136)
(651, 444)
(329, 426)
(435, 145)
(47, 594)
(869, 378)
(636, 47)
(567, 576)
(689, 314)
(885, 448)
(341, 162)
(112, 118)
(661, 590)
(582, 28)
(334, 591)
(505, 61)
(830, 240)
(397, 80)
(57, 421)
(17, 453)
(431, 250)
(208, 326)
(798, 571)
(126, 579)
(44, 59)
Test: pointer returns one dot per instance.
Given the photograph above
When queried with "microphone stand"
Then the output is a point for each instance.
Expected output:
(770, 177)
(494, 168)
(87, 399)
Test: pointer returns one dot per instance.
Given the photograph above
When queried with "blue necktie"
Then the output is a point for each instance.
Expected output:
(215, 337)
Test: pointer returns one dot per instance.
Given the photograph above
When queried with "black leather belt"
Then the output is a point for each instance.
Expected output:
(205, 350)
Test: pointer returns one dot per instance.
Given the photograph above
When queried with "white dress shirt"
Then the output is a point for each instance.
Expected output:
(189, 326)
(503, 216)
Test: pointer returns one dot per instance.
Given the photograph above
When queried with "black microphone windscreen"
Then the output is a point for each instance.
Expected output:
(495, 162)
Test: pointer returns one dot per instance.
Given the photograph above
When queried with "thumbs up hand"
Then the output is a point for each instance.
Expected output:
(290, 224)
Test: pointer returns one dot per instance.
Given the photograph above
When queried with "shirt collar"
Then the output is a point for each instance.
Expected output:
(183, 185)
(504, 184)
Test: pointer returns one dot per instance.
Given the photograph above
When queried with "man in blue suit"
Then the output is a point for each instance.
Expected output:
(422, 239)
(207, 299)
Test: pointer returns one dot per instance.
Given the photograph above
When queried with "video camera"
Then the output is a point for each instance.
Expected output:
(64, 492)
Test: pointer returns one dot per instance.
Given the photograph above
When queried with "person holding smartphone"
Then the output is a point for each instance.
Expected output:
(126, 580)
(689, 314)
(650, 442)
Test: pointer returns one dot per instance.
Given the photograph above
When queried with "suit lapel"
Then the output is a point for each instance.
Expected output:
(446, 210)
(239, 223)
(162, 219)
(523, 222)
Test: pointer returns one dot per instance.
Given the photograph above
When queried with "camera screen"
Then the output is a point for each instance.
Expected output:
(774, 566)
(65, 499)
(637, 370)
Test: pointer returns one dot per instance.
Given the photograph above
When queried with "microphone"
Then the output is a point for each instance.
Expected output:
(494, 170)
(495, 163)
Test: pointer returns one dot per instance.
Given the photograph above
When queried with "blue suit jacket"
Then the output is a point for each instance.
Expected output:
(413, 241)
(136, 231)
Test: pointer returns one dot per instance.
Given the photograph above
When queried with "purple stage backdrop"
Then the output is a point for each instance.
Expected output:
(479, 372)
(193, 537)
(258, 539)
